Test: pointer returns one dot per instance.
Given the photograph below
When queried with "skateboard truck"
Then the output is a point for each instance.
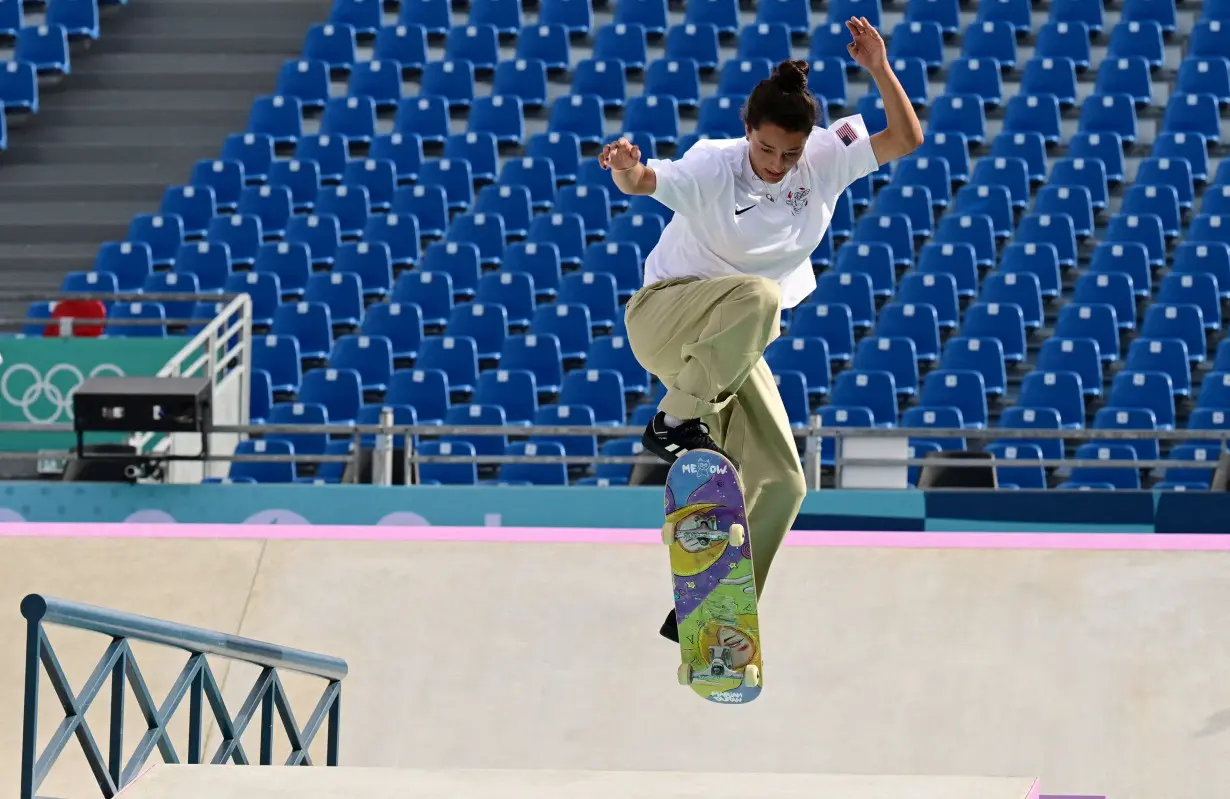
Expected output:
(721, 667)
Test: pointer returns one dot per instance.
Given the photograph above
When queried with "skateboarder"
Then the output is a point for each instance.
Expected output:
(748, 213)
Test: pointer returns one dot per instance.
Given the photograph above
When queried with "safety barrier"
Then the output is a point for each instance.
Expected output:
(196, 682)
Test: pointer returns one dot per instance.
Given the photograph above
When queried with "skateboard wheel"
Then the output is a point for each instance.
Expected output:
(685, 674)
(668, 534)
(736, 535)
(751, 675)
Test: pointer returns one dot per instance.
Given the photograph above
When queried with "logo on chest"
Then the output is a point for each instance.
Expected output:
(797, 200)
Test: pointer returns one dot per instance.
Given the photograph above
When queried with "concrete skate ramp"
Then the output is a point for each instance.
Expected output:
(210, 782)
(1101, 672)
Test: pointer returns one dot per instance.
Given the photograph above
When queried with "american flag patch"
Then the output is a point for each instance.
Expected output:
(847, 134)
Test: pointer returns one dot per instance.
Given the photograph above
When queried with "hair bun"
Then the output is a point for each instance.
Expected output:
(791, 76)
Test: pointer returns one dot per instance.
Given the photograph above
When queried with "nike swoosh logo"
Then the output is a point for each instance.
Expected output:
(743, 210)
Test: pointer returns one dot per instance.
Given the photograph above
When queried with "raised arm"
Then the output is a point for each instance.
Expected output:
(624, 160)
(904, 133)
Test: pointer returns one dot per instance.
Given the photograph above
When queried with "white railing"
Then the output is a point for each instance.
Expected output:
(221, 352)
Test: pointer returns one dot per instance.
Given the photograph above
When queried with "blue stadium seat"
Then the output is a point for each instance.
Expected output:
(575, 15)
(718, 117)
(194, 205)
(291, 263)
(456, 356)
(1144, 229)
(1097, 321)
(425, 390)
(621, 260)
(458, 262)
(1110, 113)
(308, 322)
(341, 292)
(1184, 322)
(530, 473)
(208, 261)
(873, 259)
(1131, 258)
(540, 261)
(979, 77)
(944, 13)
(262, 471)
(1209, 229)
(596, 291)
(806, 355)
(380, 82)
(224, 177)
(405, 44)
(400, 323)
(991, 39)
(19, 87)
(1190, 147)
(1113, 477)
(452, 80)
(1193, 475)
(1109, 288)
(1128, 75)
(1067, 35)
(305, 80)
(1160, 201)
(1154, 171)
(1167, 355)
(563, 415)
(1003, 322)
(514, 291)
(939, 418)
(162, 233)
(982, 355)
(335, 45)
(372, 263)
(523, 78)
(339, 390)
(834, 416)
(1031, 113)
(535, 174)
(179, 310)
(852, 289)
(349, 204)
(1137, 38)
(830, 322)
(449, 472)
(1020, 289)
(1078, 355)
(540, 355)
(827, 81)
(513, 390)
(602, 390)
(959, 114)
(1024, 477)
(604, 78)
(1071, 201)
(1062, 391)
(46, 47)
(477, 43)
(1111, 418)
(548, 43)
(485, 323)
(1150, 390)
(613, 353)
(977, 230)
(434, 17)
(1018, 418)
(301, 177)
(957, 259)
(957, 388)
(271, 207)
(1204, 75)
(874, 390)
(1198, 290)
(1038, 259)
(321, 233)
(1211, 258)
(427, 117)
(579, 114)
(569, 323)
(371, 357)
(933, 173)
(129, 261)
(1053, 75)
(919, 323)
(992, 201)
(1108, 148)
(936, 289)
(505, 17)
(1054, 229)
(738, 76)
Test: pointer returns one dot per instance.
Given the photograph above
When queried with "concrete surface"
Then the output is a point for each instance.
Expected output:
(1101, 672)
(208, 782)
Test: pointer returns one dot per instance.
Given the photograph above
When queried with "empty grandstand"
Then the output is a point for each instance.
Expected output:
(418, 218)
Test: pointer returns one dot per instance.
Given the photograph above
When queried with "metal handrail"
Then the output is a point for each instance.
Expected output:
(196, 683)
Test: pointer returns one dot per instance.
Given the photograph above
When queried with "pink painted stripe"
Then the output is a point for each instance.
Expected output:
(558, 535)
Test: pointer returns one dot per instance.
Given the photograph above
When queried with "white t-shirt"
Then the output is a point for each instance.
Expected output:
(727, 221)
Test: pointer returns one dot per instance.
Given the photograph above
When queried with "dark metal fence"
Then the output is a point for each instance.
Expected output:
(196, 683)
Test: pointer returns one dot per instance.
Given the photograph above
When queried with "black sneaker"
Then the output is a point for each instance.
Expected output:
(670, 627)
(669, 443)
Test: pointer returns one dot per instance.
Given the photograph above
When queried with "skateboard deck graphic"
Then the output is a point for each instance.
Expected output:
(711, 566)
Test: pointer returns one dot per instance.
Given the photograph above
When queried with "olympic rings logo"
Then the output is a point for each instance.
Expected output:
(47, 399)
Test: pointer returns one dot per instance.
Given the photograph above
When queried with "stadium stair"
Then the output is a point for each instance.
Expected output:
(158, 90)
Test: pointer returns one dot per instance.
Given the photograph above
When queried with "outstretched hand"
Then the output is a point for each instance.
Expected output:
(619, 155)
(867, 49)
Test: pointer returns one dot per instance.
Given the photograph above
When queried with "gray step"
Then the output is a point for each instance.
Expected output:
(82, 154)
(208, 42)
(119, 98)
(220, 61)
(84, 232)
(73, 136)
(146, 116)
(44, 265)
(27, 214)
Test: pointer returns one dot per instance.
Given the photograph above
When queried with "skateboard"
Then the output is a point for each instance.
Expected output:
(711, 566)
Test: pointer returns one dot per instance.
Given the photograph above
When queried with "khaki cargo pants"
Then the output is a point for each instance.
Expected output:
(704, 339)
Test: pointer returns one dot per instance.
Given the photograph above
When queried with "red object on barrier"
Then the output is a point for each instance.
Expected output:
(71, 317)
